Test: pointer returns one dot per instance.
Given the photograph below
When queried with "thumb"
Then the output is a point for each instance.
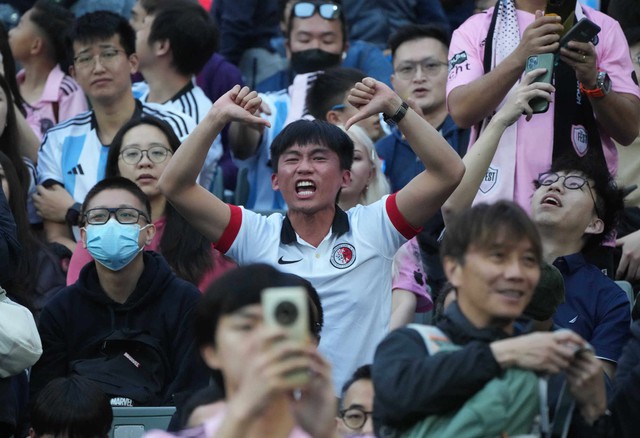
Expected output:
(621, 241)
(539, 13)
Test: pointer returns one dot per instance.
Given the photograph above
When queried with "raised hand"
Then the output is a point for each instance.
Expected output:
(315, 410)
(541, 36)
(585, 378)
(372, 97)
(517, 102)
(240, 105)
(582, 57)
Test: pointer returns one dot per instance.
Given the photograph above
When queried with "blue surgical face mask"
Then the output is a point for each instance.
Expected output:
(113, 245)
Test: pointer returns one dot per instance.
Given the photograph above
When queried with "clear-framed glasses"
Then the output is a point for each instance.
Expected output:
(430, 67)
(354, 418)
(155, 154)
(571, 182)
(328, 11)
(124, 215)
(106, 56)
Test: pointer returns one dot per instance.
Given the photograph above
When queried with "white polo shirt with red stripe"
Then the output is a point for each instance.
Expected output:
(350, 269)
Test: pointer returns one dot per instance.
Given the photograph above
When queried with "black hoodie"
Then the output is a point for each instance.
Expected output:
(75, 322)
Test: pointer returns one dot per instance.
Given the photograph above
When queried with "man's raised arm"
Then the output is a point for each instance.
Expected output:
(208, 214)
(425, 194)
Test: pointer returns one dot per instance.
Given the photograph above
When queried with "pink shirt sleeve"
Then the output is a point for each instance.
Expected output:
(72, 104)
(408, 274)
(466, 51)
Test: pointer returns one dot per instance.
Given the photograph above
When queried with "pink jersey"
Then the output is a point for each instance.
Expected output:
(62, 98)
(408, 274)
(534, 141)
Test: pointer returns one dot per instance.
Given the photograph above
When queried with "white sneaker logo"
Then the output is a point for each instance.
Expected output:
(571, 321)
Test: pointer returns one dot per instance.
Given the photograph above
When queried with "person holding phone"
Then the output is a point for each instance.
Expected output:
(595, 102)
(260, 364)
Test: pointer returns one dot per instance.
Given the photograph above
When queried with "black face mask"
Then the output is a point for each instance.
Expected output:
(312, 60)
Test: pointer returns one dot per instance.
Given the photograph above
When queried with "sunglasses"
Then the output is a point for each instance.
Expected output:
(328, 11)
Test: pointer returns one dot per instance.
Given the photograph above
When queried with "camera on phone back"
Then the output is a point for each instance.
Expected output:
(287, 308)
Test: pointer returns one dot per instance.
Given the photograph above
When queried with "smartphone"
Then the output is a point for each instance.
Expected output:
(583, 31)
(565, 9)
(288, 308)
(544, 60)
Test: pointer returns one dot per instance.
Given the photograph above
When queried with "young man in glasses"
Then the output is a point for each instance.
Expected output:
(125, 291)
(575, 205)
(419, 56)
(73, 154)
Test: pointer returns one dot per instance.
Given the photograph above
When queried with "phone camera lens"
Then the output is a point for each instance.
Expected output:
(286, 313)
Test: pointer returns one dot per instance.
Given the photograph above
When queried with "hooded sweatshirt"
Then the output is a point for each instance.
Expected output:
(74, 324)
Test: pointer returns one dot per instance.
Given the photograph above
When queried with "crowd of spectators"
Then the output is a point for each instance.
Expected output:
(320, 218)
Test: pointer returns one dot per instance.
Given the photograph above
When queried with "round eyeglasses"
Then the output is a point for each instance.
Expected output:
(571, 182)
(124, 215)
(354, 418)
(155, 154)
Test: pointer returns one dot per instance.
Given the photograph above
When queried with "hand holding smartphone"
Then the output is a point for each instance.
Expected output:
(287, 308)
(547, 61)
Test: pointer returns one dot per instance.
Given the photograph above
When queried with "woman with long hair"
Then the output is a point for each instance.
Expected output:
(140, 151)
(39, 274)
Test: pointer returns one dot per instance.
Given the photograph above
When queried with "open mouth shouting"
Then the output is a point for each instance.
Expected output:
(305, 188)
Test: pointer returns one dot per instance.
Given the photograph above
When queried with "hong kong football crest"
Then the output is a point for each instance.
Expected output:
(343, 256)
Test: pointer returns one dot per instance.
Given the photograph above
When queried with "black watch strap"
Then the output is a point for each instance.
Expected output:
(399, 115)
(73, 214)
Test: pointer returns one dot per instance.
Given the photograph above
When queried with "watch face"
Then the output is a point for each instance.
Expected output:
(604, 82)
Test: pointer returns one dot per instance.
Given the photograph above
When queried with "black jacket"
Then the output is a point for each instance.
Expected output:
(77, 319)
(410, 385)
(626, 400)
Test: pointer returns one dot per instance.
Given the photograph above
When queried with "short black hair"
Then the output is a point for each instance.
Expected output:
(341, 17)
(330, 88)
(54, 21)
(100, 26)
(609, 198)
(72, 406)
(362, 373)
(306, 132)
(191, 32)
(242, 287)
(410, 32)
(486, 224)
(118, 183)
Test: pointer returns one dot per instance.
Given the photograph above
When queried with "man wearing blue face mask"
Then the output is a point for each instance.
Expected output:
(124, 323)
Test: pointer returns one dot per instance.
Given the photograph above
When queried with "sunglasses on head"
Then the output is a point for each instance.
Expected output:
(328, 11)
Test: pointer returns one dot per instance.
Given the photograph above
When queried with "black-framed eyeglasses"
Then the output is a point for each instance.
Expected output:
(571, 182)
(124, 215)
(354, 418)
(328, 11)
(88, 60)
(429, 67)
(155, 154)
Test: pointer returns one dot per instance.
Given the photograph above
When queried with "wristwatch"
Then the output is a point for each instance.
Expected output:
(603, 86)
(399, 115)
(73, 214)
